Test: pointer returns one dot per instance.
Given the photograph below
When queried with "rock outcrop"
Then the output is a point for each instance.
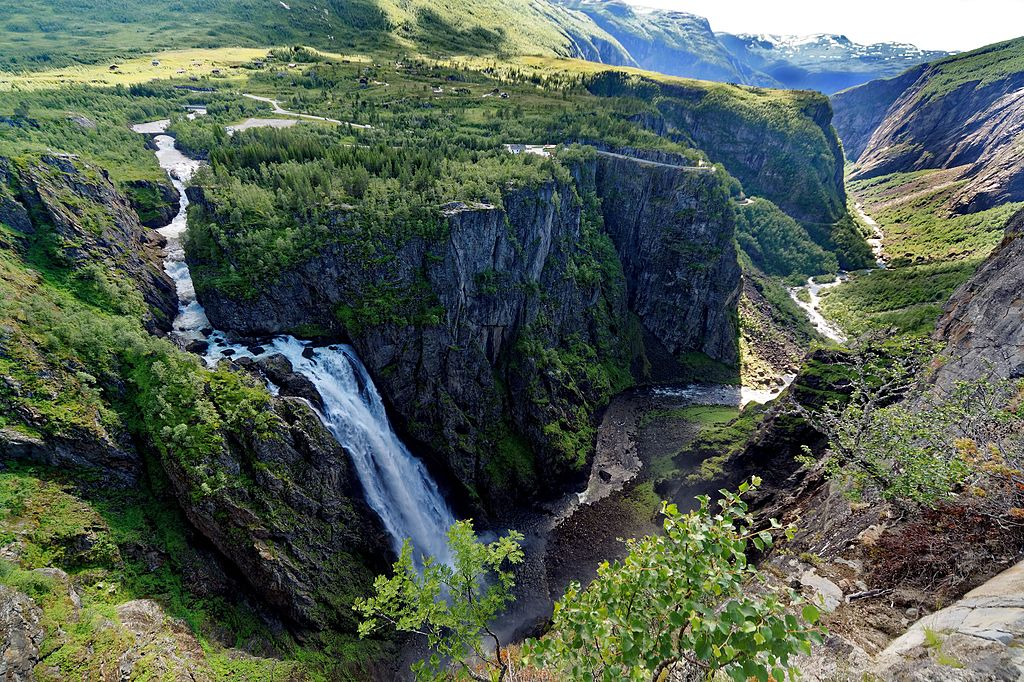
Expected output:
(978, 639)
(156, 203)
(681, 275)
(72, 213)
(983, 322)
(290, 516)
(20, 636)
(517, 322)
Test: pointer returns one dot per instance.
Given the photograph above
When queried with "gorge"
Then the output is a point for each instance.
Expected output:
(513, 309)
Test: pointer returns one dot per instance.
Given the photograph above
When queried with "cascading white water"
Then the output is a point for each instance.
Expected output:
(398, 486)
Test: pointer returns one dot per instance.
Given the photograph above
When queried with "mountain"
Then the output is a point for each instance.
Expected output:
(825, 62)
(683, 44)
(674, 43)
(615, 33)
(46, 35)
(964, 113)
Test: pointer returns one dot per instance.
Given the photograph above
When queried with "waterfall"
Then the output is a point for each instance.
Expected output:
(397, 485)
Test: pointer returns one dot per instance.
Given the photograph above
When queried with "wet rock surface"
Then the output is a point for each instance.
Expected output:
(20, 635)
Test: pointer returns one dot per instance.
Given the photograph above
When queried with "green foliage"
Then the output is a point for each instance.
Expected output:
(922, 453)
(906, 300)
(681, 598)
(451, 603)
(912, 210)
(779, 245)
(977, 69)
(48, 34)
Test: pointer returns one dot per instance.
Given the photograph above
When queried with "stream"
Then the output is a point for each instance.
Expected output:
(814, 289)
(565, 539)
(396, 484)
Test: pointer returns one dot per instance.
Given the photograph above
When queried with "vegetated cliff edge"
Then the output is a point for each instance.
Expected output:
(964, 111)
(778, 144)
(496, 342)
(89, 396)
(983, 322)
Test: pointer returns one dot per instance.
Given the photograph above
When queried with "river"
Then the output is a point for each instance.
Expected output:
(396, 484)
(583, 524)
(812, 306)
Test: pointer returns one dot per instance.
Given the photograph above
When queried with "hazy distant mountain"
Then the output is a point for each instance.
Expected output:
(826, 62)
(674, 43)
(683, 44)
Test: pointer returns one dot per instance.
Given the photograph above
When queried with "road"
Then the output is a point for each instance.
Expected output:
(278, 109)
(645, 162)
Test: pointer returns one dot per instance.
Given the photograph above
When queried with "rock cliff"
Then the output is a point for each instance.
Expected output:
(71, 214)
(961, 112)
(779, 145)
(859, 111)
(290, 517)
(983, 323)
(495, 345)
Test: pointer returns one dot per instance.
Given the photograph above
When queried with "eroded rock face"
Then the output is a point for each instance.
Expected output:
(975, 126)
(859, 111)
(20, 636)
(979, 638)
(290, 516)
(983, 322)
(73, 212)
(682, 276)
(502, 316)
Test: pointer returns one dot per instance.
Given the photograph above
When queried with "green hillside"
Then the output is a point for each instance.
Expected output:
(43, 35)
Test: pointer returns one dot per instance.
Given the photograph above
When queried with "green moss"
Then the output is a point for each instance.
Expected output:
(512, 465)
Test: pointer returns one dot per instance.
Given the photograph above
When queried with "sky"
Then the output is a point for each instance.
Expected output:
(930, 24)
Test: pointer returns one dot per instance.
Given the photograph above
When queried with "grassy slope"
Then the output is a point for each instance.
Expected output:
(983, 66)
(930, 253)
(55, 33)
(47, 34)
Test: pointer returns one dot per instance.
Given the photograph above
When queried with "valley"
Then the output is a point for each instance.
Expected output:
(434, 345)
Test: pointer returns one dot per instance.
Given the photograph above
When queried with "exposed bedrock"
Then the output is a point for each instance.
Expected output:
(495, 344)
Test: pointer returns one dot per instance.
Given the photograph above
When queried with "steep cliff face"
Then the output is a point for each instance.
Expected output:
(73, 216)
(779, 144)
(495, 344)
(983, 323)
(681, 271)
(67, 220)
(291, 517)
(860, 110)
(964, 111)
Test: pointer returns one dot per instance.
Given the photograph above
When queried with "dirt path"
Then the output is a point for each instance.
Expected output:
(278, 109)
